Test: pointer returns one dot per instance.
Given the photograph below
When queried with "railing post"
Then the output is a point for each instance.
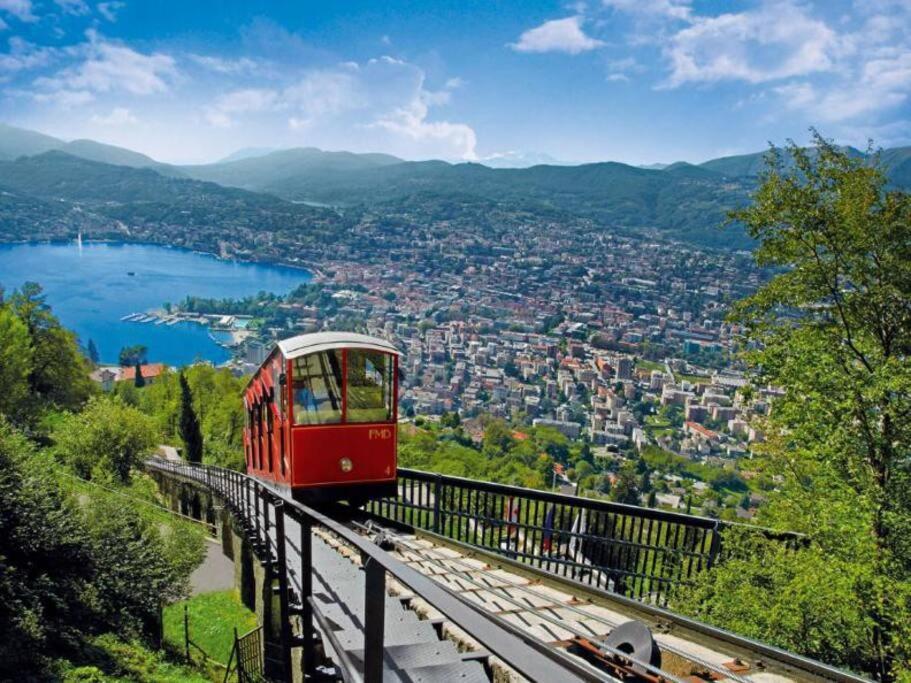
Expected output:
(715, 547)
(306, 586)
(282, 567)
(248, 503)
(266, 526)
(374, 619)
(437, 494)
(256, 521)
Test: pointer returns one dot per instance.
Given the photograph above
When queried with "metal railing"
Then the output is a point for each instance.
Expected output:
(280, 531)
(641, 553)
(246, 658)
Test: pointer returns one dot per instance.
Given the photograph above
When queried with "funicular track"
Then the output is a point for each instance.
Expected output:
(360, 606)
(342, 617)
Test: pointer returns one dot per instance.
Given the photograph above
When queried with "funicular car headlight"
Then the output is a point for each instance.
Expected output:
(345, 464)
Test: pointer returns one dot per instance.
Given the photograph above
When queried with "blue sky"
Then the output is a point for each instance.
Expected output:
(638, 81)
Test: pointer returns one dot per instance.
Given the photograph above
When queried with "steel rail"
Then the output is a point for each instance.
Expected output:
(796, 661)
(500, 592)
(529, 661)
(443, 562)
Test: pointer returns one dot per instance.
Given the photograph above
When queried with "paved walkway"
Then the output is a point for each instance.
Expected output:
(216, 573)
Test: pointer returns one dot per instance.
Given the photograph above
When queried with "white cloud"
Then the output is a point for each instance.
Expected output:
(74, 7)
(559, 35)
(24, 55)
(225, 66)
(21, 9)
(411, 121)
(883, 83)
(240, 102)
(672, 9)
(776, 41)
(323, 92)
(119, 116)
(109, 9)
(108, 67)
(620, 70)
(382, 103)
(64, 99)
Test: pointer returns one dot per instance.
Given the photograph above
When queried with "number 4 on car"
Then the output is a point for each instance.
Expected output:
(320, 416)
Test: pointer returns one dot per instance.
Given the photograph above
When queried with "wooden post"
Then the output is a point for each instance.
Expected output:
(186, 631)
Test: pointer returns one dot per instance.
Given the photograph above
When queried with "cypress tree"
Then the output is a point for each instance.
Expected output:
(94, 356)
(139, 380)
(189, 424)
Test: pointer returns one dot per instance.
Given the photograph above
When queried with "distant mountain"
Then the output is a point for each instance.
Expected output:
(897, 162)
(56, 175)
(654, 167)
(684, 169)
(520, 160)
(247, 153)
(277, 168)
(750, 165)
(17, 142)
(686, 202)
(118, 156)
(681, 200)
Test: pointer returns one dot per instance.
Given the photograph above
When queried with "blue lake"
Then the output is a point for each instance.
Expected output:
(89, 289)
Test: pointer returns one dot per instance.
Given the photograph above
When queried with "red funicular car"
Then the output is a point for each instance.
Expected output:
(320, 417)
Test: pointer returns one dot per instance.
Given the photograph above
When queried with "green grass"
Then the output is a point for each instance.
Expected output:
(108, 660)
(213, 618)
(649, 365)
(658, 426)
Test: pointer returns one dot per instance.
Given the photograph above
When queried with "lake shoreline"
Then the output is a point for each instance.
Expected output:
(116, 292)
(313, 270)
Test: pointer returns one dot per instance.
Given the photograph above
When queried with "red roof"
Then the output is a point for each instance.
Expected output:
(704, 431)
(148, 371)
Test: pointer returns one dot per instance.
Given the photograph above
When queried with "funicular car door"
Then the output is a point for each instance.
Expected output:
(248, 426)
(334, 442)
(258, 432)
(275, 413)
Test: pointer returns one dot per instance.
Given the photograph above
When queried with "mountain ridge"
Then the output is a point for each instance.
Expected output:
(680, 201)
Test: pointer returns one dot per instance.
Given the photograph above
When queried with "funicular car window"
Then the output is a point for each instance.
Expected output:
(317, 388)
(279, 388)
(369, 385)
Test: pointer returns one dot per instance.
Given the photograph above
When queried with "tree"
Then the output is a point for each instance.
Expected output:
(139, 381)
(652, 498)
(624, 489)
(76, 565)
(92, 350)
(15, 364)
(645, 481)
(189, 424)
(833, 327)
(58, 376)
(497, 437)
(107, 439)
(131, 355)
(450, 419)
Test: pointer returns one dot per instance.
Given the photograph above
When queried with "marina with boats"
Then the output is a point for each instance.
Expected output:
(228, 331)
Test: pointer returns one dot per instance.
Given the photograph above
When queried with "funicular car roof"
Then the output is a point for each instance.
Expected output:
(305, 344)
